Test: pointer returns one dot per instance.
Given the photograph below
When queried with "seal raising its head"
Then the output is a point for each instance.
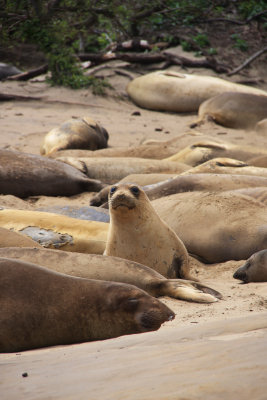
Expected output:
(137, 233)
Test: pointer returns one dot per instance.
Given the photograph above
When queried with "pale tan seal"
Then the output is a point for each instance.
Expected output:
(108, 268)
(23, 175)
(112, 169)
(227, 166)
(200, 152)
(57, 231)
(172, 91)
(254, 269)
(81, 133)
(40, 307)
(137, 233)
(216, 227)
(234, 110)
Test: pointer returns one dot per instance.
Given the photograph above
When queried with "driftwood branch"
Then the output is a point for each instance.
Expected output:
(24, 76)
(247, 61)
(150, 58)
(10, 97)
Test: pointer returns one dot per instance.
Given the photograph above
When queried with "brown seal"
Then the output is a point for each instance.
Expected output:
(14, 239)
(214, 226)
(108, 268)
(81, 133)
(112, 169)
(254, 269)
(172, 91)
(200, 152)
(203, 182)
(23, 175)
(227, 166)
(39, 308)
(234, 110)
(137, 233)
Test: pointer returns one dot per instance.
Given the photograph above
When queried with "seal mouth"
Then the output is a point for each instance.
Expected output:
(116, 206)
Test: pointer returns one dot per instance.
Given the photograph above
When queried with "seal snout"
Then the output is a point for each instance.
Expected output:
(241, 273)
(152, 320)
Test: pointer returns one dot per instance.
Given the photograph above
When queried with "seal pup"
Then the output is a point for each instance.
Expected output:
(233, 110)
(57, 231)
(216, 227)
(108, 268)
(254, 269)
(81, 133)
(24, 174)
(40, 307)
(112, 169)
(137, 233)
(172, 91)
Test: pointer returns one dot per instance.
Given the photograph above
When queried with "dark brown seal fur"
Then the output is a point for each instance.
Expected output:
(39, 308)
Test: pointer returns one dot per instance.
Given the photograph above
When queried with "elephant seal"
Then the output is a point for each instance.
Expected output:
(108, 268)
(257, 193)
(81, 133)
(216, 227)
(254, 269)
(57, 231)
(172, 91)
(137, 233)
(112, 169)
(234, 110)
(260, 161)
(23, 175)
(40, 307)
(227, 166)
(14, 239)
(203, 182)
(200, 152)
(261, 127)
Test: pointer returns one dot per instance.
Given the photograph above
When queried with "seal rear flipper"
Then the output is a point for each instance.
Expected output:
(189, 291)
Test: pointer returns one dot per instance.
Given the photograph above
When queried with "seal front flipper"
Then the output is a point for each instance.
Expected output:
(187, 290)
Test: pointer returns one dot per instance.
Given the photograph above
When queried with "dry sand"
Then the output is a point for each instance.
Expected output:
(142, 367)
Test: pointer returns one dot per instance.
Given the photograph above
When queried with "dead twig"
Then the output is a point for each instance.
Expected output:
(247, 61)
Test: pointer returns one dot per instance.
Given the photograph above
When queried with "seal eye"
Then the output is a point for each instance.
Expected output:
(131, 304)
(113, 189)
(135, 190)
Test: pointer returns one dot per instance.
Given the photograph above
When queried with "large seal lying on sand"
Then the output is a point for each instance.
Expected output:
(254, 269)
(39, 308)
(216, 227)
(202, 182)
(23, 175)
(234, 110)
(203, 151)
(227, 166)
(172, 91)
(57, 231)
(82, 133)
(112, 169)
(188, 183)
(92, 266)
(137, 233)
